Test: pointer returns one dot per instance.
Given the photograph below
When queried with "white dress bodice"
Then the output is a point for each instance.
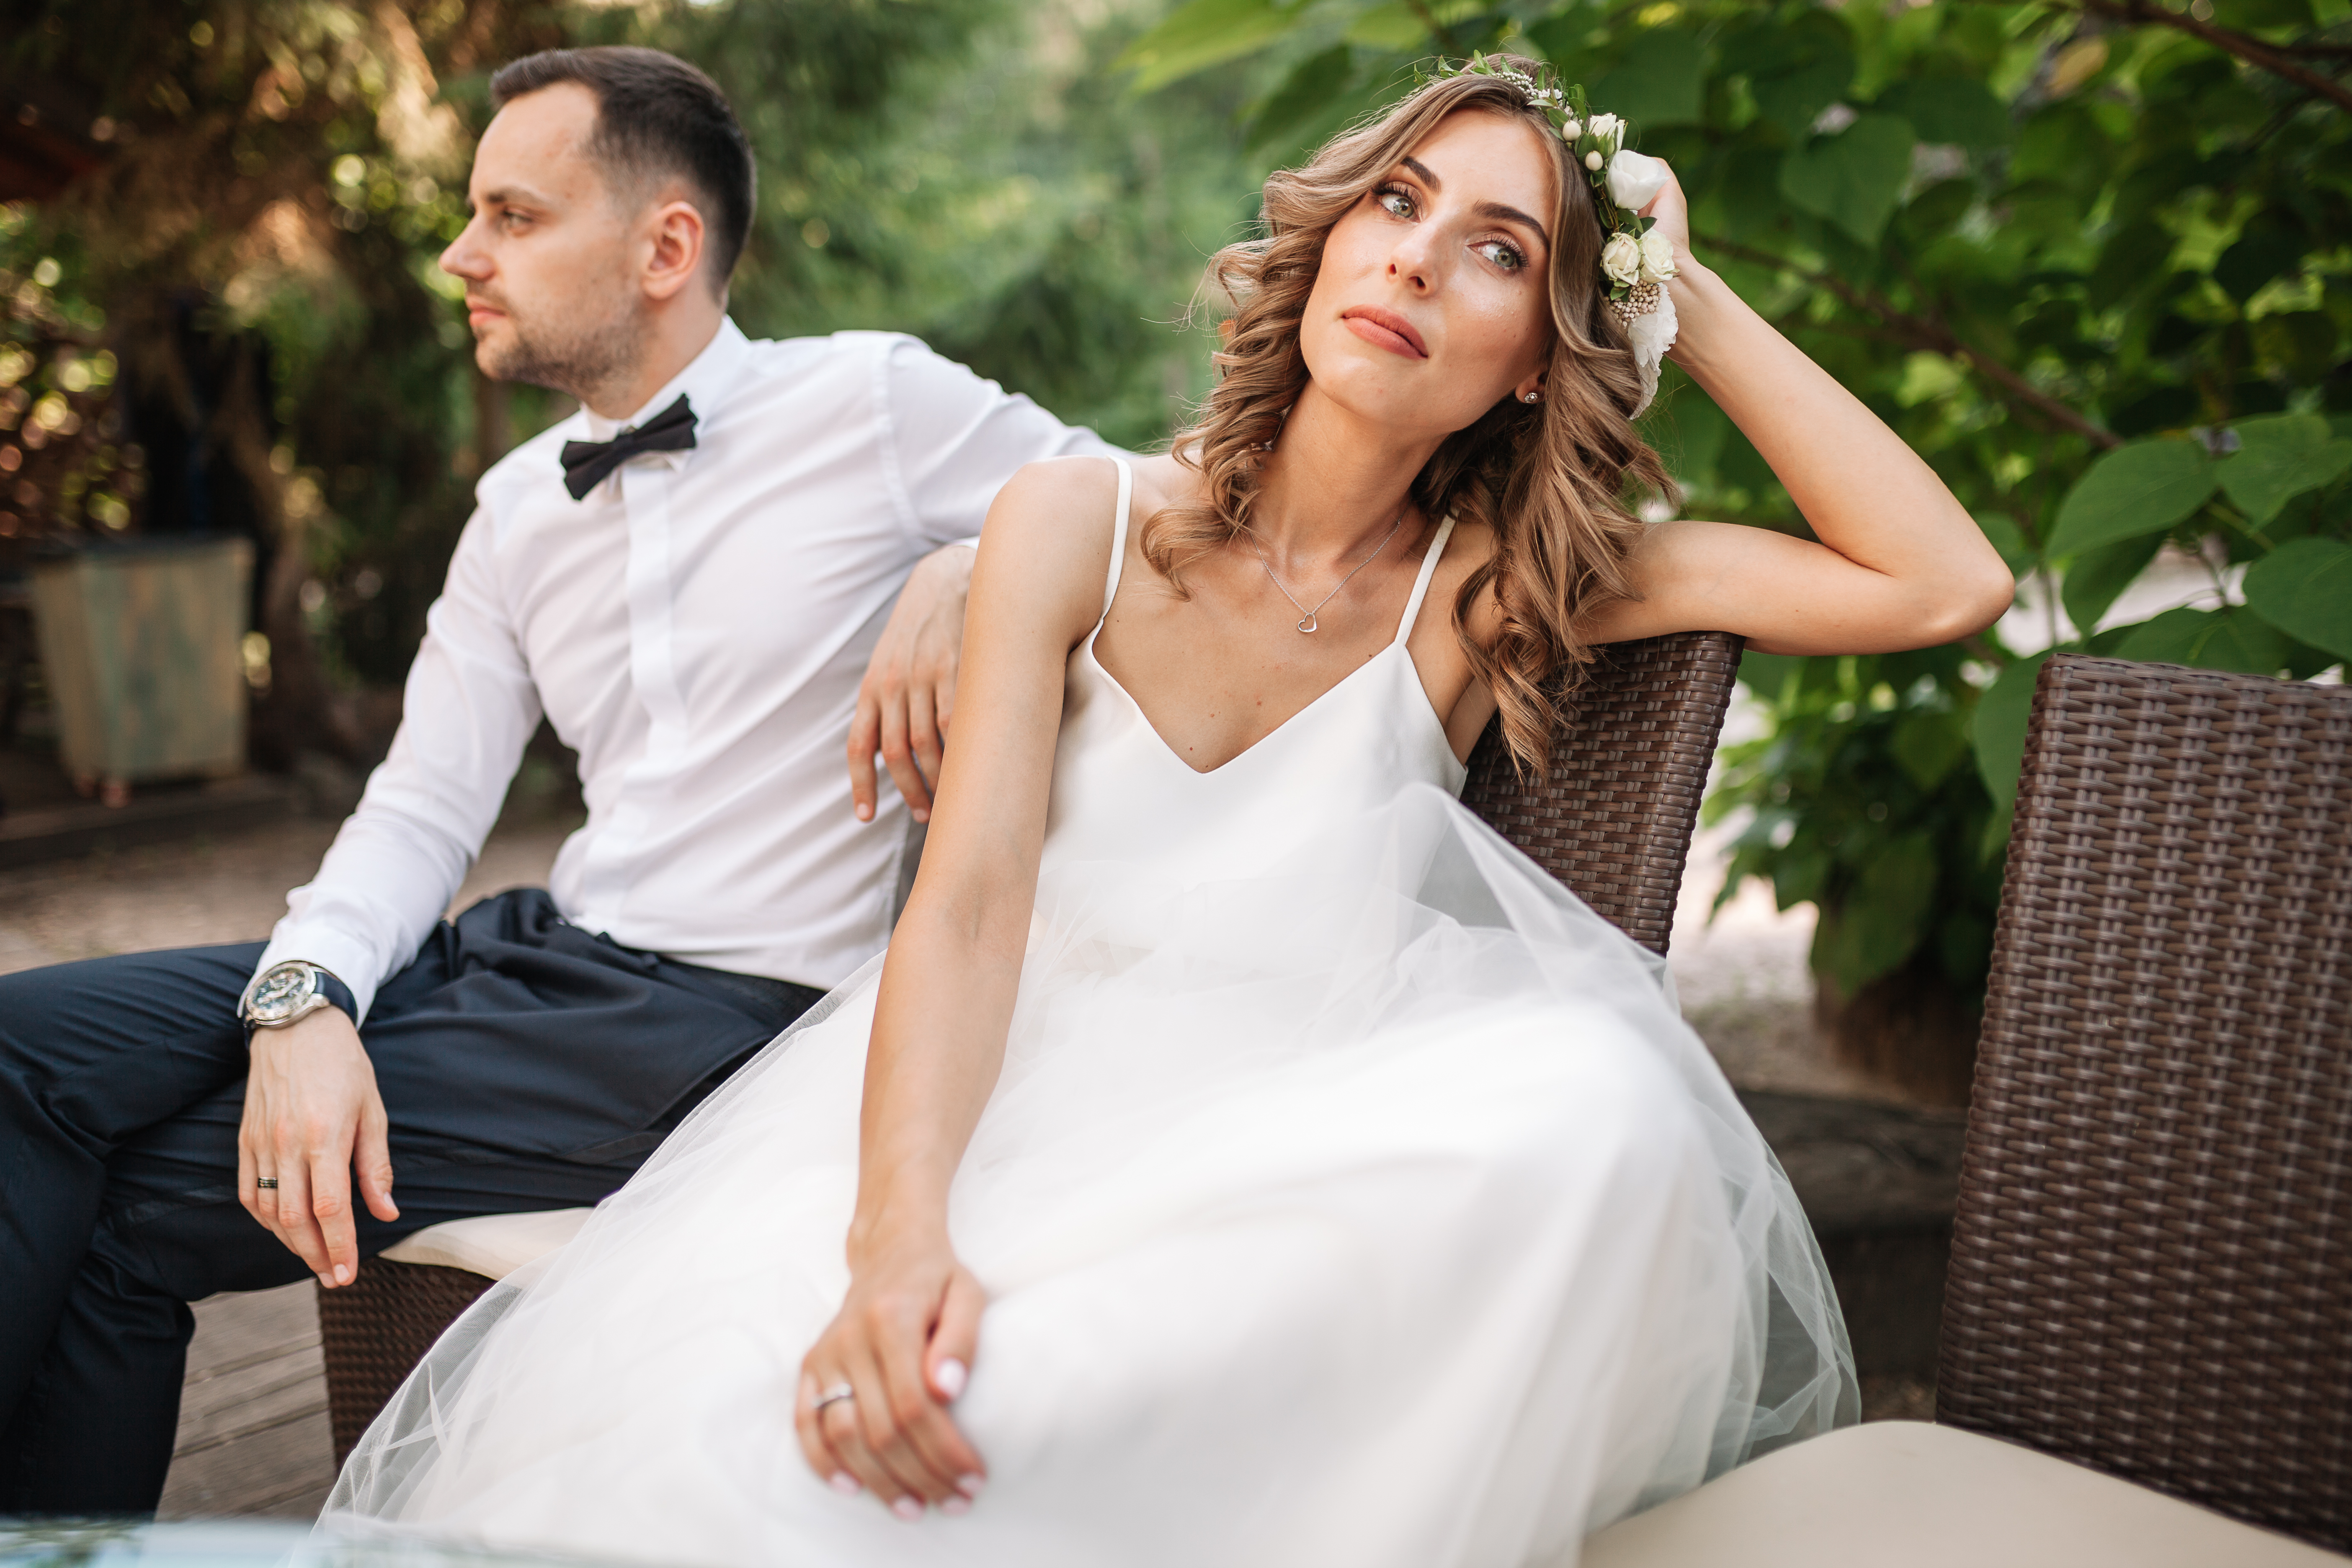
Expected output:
(1122, 793)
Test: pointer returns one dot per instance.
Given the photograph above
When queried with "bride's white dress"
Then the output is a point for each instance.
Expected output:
(1352, 1195)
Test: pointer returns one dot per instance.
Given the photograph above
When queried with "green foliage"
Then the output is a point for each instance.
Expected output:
(1861, 800)
(2097, 272)
(970, 170)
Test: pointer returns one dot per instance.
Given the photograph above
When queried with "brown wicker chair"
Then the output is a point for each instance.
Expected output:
(2151, 1266)
(1613, 822)
(2151, 1274)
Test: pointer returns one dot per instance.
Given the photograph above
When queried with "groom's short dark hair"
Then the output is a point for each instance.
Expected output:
(655, 115)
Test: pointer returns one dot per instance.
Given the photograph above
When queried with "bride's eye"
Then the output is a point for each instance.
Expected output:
(1502, 253)
(1394, 200)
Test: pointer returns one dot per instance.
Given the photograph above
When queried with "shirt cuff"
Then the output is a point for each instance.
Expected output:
(338, 955)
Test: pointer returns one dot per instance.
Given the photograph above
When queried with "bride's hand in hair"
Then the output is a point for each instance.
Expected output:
(903, 1344)
(1672, 209)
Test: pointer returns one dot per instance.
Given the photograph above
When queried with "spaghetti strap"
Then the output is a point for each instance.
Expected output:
(1119, 532)
(1420, 586)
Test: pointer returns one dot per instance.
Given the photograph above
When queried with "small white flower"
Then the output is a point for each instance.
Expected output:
(1608, 127)
(1621, 258)
(1572, 131)
(1657, 258)
(1593, 161)
(1635, 179)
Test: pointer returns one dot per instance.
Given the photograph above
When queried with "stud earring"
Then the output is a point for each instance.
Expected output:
(1532, 397)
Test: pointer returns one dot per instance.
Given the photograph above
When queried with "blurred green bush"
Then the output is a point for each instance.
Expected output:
(269, 182)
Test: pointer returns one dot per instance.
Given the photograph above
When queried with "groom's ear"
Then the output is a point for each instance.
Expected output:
(675, 256)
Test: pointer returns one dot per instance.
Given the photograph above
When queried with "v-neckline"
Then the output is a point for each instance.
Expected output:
(1177, 757)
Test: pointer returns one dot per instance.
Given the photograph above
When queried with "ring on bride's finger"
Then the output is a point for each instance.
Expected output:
(833, 1395)
(267, 1184)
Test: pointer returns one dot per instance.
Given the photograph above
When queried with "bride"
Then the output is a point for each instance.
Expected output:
(1244, 1156)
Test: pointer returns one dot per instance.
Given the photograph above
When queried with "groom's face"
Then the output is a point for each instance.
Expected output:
(551, 293)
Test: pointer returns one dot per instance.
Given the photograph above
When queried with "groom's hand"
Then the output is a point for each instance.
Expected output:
(909, 692)
(312, 1114)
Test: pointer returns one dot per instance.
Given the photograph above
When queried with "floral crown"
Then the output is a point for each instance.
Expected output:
(1635, 261)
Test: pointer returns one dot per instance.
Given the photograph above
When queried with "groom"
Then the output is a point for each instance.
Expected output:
(686, 578)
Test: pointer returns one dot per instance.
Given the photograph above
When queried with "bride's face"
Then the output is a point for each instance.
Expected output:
(1431, 303)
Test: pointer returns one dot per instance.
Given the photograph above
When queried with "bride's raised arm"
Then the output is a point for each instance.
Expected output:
(902, 1344)
(1900, 565)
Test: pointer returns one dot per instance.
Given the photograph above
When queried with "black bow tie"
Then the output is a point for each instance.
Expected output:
(586, 463)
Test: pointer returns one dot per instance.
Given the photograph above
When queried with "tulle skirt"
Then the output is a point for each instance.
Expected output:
(1375, 1209)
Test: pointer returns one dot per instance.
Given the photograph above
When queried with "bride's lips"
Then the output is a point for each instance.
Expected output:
(1386, 329)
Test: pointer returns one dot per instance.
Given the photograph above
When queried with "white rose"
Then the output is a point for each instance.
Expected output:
(1593, 161)
(1621, 258)
(1657, 258)
(1635, 179)
(1607, 127)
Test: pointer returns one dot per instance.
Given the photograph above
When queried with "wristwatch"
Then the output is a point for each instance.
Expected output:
(294, 989)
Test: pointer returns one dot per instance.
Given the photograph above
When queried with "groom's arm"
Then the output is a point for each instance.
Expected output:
(957, 439)
(313, 1113)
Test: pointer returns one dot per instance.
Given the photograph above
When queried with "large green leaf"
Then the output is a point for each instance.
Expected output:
(1656, 82)
(2145, 487)
(1927, 743)
(2304, 588)
(2279, 457)
(2209, 640)
(2099, 575)
(1999, 732)
(1949, 110)
(1201, 33)
(1883, 917)
(1853, 178)
(1795, 70)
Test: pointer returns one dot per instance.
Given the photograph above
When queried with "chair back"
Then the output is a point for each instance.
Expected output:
(2151, 1268)
(1628, 766)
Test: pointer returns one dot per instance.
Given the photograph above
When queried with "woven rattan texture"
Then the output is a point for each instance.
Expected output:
(376, 1329)
(2152, 1266)
(1614, 820)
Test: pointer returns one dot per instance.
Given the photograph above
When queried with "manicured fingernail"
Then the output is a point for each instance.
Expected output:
(922, 816)
(950, 1375)
(865, 813)
(330, 1284)
(956, 1504)
(970, 1485)
(342, 1273)
(844, 1483)
(908, 1507)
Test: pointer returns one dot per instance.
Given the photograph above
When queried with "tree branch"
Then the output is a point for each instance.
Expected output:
(1921, 333)
(2253, 51)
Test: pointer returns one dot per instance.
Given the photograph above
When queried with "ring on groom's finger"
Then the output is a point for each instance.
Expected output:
(833, 1395)
(267, 1184)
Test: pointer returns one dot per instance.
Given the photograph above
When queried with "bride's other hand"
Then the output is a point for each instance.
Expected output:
(903, 1344)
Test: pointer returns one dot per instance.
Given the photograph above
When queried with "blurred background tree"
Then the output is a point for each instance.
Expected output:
(224, 312)
(2088, 257)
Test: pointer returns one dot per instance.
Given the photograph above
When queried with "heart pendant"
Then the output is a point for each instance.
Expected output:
(1306, 623)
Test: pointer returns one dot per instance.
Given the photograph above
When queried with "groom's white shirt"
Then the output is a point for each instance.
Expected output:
(696, 629)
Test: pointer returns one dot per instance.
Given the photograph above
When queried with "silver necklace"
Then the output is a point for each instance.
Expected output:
(1307, 622)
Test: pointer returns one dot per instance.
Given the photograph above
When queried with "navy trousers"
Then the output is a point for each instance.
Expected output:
(524, 1063)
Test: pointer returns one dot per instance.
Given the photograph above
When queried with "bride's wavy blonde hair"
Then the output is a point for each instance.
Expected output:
(1548, 477)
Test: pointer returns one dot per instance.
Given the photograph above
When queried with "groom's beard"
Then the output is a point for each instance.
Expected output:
(577, 357)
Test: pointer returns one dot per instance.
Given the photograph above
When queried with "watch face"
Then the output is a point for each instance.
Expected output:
(280, 992)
